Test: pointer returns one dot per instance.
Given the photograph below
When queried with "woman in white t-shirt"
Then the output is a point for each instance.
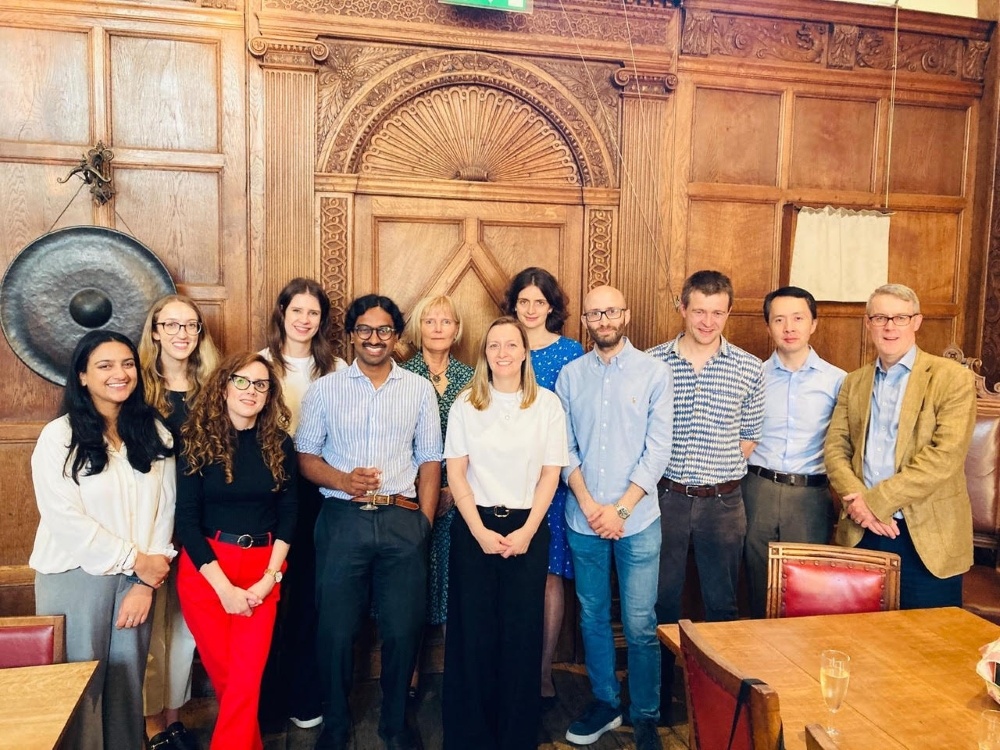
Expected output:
(300, 345)
(505, 446)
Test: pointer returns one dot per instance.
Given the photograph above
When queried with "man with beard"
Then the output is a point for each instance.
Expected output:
(367, 433)
(619, 407)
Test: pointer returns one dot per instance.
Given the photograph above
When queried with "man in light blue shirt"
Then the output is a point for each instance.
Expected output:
(619, 406)
(370, 437)
(786, 491)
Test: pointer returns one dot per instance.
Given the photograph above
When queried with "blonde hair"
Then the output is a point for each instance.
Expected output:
(199, 365)
(479, 386)
(899, 291)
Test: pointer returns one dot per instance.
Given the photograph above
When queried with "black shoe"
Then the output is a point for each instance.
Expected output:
(646, 736)
(549, 702)
(404, 740)
(160, 741)
(181, 738)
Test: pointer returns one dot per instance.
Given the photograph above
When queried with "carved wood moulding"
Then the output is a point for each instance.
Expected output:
(335, 260)
(348, 122)
(288, 54)
(600, 222)
(836, 46)
(469, 133)
(650, 24)
(648, 83)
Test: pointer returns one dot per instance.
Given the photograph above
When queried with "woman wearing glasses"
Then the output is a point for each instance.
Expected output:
(236, 508)
(506, 444)
(299, 346)
(176, 354)
(539, 303)
(104, 478)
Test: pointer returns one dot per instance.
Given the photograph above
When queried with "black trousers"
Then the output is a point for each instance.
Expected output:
(493, 653)
(383, 551)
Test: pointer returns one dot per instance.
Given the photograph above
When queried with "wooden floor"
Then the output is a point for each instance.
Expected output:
(572, 687)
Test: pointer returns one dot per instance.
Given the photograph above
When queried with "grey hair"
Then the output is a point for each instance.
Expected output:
(899, 291)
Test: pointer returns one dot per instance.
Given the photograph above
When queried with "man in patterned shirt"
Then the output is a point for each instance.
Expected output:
(718, 417)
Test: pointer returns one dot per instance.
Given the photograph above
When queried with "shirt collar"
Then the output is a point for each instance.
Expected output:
(355, 372)
(812, 362)
(619, 360)
(724, 347)
(907, 361)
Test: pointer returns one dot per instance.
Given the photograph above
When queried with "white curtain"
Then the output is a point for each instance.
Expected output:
(840, 255)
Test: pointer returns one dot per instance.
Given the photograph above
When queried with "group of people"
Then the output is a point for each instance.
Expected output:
(432, 492)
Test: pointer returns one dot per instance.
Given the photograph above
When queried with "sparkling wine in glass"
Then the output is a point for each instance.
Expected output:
(371, 493)
(834, 676)
(989, 730)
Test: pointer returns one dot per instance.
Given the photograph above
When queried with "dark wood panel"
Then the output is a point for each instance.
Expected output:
(833, 144)
(726, 123)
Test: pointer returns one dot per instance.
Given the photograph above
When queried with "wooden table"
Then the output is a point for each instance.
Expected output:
(36, 703)
(913, 680)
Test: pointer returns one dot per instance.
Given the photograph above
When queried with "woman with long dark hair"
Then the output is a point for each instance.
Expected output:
(539, 303)
(176, 355)
(236, 508)
(299, 346)
(505, 447)
(103, 474)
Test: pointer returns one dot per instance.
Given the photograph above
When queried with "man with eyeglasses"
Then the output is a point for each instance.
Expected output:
(718, 415)
(895, 454)
(370, 437)
(619, 408)
(786, 492)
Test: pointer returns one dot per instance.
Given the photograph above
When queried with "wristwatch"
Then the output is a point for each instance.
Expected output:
(275, 574)
(622, 511)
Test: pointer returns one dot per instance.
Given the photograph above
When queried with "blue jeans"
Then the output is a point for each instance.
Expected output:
(637, 561)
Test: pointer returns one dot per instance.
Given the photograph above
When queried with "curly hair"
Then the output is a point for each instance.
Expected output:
(201, 362)
(550, 289)
(209, 436)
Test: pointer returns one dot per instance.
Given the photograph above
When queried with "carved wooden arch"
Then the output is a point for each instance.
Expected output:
(514, 84)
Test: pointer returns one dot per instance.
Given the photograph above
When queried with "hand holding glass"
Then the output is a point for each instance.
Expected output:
(371, 493)
(834, 675)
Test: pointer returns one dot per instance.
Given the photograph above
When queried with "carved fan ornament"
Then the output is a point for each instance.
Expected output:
(472, 133)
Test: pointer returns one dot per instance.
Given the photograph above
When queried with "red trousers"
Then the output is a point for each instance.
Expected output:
(233, 648)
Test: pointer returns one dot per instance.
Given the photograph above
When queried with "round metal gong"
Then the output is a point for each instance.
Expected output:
(71, 281)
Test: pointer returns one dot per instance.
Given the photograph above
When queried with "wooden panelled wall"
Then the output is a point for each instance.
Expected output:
(412, 147)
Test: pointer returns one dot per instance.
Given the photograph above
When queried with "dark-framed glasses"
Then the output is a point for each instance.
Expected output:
(241, 383)
(365, 332)
(611, 313)
(900, 321)
(172, 327)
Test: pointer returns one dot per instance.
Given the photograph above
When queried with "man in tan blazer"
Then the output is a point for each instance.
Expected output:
(895, 453)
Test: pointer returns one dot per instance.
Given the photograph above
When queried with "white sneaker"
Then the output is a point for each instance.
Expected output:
(307, 723)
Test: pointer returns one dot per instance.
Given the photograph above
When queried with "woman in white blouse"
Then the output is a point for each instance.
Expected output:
(505, 446)
(104, 483)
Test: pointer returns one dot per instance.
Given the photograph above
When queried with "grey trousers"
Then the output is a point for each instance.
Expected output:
(110, 713)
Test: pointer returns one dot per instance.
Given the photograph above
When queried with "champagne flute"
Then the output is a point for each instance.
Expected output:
(834, 675)
(989, 730)
(372, 493)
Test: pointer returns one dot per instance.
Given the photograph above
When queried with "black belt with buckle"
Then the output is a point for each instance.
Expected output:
(500, 511)
(698, 490)
(246, 541)
(784, 477)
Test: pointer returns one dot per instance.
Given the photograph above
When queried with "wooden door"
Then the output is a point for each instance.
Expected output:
(410, 247)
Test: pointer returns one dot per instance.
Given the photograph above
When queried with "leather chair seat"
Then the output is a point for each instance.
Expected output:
(26, 645)
(812, 589)
(981, 592)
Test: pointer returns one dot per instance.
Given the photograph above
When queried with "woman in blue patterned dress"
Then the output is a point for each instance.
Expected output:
(535, 298)
(433, 328)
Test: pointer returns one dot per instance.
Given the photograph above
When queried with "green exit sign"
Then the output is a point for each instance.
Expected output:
(515, 6)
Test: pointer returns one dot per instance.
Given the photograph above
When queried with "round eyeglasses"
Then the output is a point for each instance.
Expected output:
(241, 383)
(365, 332)
(172, 327)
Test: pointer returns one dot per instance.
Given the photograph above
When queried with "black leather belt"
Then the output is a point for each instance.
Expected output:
(698, 490)
(795, 480)
(500, 511)
(246, 541)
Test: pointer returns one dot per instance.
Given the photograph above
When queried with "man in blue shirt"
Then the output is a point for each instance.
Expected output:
(619, 407)
(895, 453)
(786, 492)
(367, 434)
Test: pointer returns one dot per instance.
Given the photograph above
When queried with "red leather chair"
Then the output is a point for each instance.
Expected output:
(818, 739)
(713, 686)
(32, 641)
(821, 579)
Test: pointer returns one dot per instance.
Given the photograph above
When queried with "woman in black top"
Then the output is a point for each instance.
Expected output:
(236, 512)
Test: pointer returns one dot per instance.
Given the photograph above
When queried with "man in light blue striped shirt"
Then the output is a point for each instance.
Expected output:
(370, 437)
(786, 491)
(619, 407)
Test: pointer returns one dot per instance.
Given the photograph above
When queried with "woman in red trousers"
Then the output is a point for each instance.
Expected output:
(236, 507)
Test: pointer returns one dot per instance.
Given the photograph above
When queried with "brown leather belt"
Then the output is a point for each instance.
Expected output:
(401, 500)
(698, 490)
(784, 477)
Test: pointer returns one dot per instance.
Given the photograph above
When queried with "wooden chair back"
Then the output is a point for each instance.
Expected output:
(822, 579)
(713, 686)
(818, 739)
(32, 641)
